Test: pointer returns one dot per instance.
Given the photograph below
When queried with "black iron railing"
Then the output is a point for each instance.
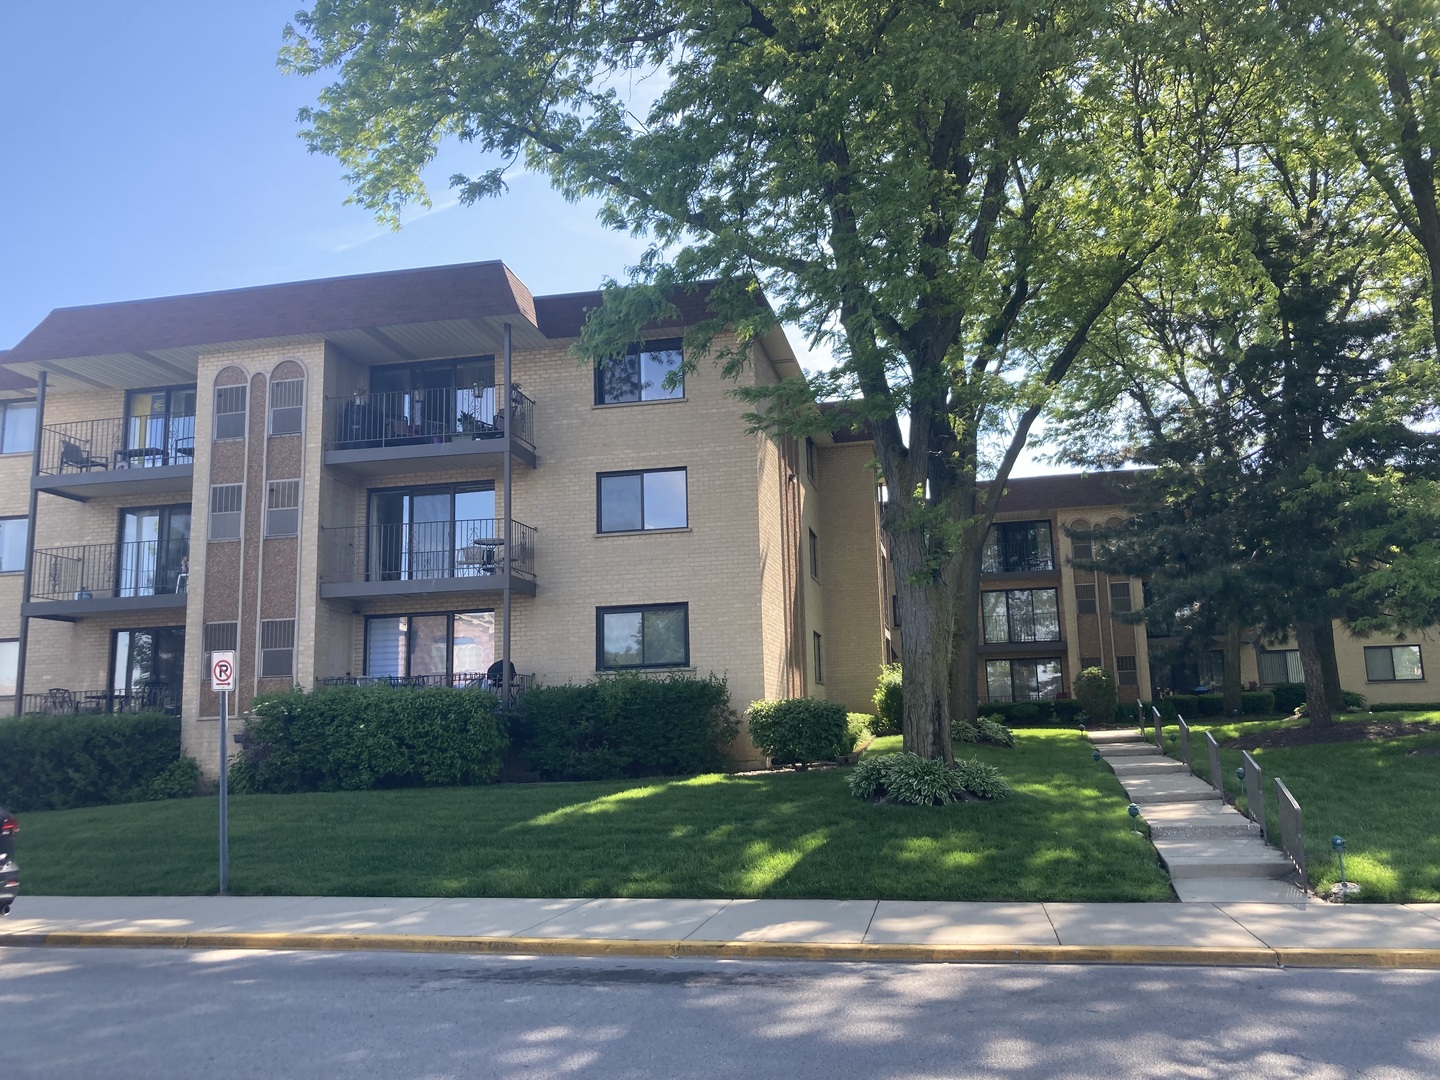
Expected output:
(460, 680)
(61, 701)
(104, 571)
(116, 443)
(426, 550)
(417, 417)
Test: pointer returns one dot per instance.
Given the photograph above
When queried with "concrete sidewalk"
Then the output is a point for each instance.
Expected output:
(1269, 934)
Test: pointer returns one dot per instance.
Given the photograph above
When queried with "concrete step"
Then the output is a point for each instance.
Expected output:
(1167, 789)
(1219, 830)
(1133, 749)
(1152, 766)
(1213, 812)
(1115, 735)
(1238, 891)
(1222, 857)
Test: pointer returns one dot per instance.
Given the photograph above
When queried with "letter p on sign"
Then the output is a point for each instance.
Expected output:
(222, 671)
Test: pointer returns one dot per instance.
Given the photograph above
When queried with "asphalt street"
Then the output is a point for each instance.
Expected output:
(144, 1013)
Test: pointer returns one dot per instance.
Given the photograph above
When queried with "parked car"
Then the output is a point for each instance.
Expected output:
(9, 871)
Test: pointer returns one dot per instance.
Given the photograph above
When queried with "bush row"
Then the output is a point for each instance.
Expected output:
(65, 762)
(1252, 703)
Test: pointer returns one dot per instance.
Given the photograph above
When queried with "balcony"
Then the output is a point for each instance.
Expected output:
(426, 559)
(59, 701)
(394, 432)
(96, 579)
(87, 458)
(485, 682)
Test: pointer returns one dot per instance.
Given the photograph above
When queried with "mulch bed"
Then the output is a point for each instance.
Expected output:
(1350, 731)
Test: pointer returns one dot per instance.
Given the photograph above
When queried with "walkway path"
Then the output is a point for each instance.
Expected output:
(1213, 852)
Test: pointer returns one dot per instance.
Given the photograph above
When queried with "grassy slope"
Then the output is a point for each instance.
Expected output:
(1381, 796)
(1062, 836)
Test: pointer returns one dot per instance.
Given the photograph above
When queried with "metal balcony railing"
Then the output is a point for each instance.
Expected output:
(426, 550)
(103, 571)
(60, 701)
(417, 417)
(460, 680)
(116, 443)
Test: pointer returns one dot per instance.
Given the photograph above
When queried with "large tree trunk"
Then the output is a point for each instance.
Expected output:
(1232, 686)
(927, 624)
(1330, 667)
(965, 658)
(1307, 637)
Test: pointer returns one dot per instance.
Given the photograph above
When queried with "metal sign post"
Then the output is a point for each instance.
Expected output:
(222, 681)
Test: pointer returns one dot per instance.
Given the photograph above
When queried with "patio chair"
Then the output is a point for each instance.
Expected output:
(75, 455)
(60, 701)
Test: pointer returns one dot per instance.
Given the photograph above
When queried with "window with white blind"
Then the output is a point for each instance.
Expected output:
(282, 508)
(226, 501)
(1280, 666)
(287, 406)
(277, 648)
(229, 412)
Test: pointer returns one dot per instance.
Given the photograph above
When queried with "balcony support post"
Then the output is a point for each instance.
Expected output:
(505, 404)
(24, 643)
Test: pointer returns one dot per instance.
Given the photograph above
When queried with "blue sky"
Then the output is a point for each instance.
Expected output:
(149, 148)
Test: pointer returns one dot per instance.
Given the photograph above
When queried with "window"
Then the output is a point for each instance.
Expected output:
(1020, 615)
(220, 637)
(1126, 674)
(449, 648)
(230, 412)
(287, 406)
(1089, 662)
(1022, 680)
(636, 501)
(1280, 666)
(225, 504)
(1393, 663)
(1120, 596)
(642, 374)
(656, 635)
(894, 609)
(1083, 551)
(17, 427)
(1085, 600)
(819, 660)
(13, 534)
(438, 532)
(277, 648)
(810, 459)
(9, 667)
(159, 427)
(148, 669)
(282, 508)
(814, 555)
(1015, 547)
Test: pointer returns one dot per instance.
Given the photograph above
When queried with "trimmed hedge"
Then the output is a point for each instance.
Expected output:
(1063, 712)
(1097, 692)
(795, 731)
(65, 762)
(889, 702)
(1289, 696)
(1192, 706)
(351, 738)
(1401, 706)
(626, 726)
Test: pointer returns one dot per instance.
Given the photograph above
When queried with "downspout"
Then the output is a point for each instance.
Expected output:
(509, 553)
(24, 644)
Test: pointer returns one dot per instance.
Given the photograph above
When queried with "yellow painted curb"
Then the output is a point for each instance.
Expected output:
(1418, 959)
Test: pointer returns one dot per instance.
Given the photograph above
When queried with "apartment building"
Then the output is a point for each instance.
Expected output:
(405, 477)
(1043, 620)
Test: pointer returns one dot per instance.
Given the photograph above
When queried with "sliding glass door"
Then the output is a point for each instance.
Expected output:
(420, 533)
(148, 670)
(154, 556)
(159, 427)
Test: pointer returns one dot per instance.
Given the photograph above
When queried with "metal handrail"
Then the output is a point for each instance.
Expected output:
(105, 571)
(1254, 792)
(1292, 826)
(427, 550)
(1184, 741)
(1217, 780)
(436, 415)
(85, 446)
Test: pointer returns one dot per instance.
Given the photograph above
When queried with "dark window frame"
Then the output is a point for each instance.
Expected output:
(600, 479)
(1419, 656)
(1036, 564)
(5, 407)
(637, 351)
(1127, 676)
(819, 658)
(626, 609)
(115, 633)
(1128, 596)
(1058, 661)
(449, 615)
(814, 555)
(1010, 638)
(810, 461)
(1087, 605)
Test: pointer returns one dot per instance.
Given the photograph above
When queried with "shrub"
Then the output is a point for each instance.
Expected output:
(909, 778)
(178, 780)
(1025, 712)
(355, 738)
(860, 727)
(1097, 693)
(991, 731)
(799, 730)
(1402, 706)
(1353, 702)
(1257, 703)
(624, 726)
(1289, 696)
(65, 762)
(1067, 711)
(889, 702)
(964, 731)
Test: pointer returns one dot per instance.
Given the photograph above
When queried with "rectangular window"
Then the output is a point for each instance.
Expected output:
(282, 508)
(225, 505)
(1022, 680)
(1280, 666)
(1393, 663)
(819, 660)
(1089, 662)
(9, 667)
(454, 649)
(1020, 615)
(649, 372)
(17, 427)
(1085, 600)
(814, 555)
(230, 412)
(220, 637)
(1083, 550)
(1126, 674)
(277, 648)
(13, 534)
(287, 406)
(638, 501)
(656, 635)
(1016, 547)
(810, 459)
(1120, 596)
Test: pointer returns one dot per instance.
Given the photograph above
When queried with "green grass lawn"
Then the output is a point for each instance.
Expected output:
(1063, 835)
(1383, 797)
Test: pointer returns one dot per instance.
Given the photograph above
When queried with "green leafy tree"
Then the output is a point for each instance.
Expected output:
(950, 195)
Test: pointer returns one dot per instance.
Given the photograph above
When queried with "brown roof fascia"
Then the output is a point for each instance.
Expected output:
(1057, 491)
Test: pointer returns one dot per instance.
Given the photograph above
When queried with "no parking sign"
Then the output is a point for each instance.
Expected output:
(222, 671)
